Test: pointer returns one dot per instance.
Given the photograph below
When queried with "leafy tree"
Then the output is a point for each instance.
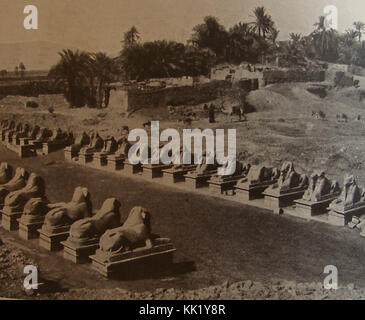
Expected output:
(325, 41)
(131, 37)
(359, 27)
(3, 73)
(263, 22)
(72, 73)
(211, 35)
(22, 69)
(104, 70)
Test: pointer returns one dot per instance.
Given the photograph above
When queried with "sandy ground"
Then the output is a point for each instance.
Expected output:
(216, 240)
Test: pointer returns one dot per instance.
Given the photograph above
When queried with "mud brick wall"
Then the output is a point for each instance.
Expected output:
(293, 75)
(29, 88)
(186, 95)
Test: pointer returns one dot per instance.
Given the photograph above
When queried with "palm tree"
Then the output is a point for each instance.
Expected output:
(263, 23)
(325, 41)
(72, 73)
(103, 69)
(131, 37)
(360, 27)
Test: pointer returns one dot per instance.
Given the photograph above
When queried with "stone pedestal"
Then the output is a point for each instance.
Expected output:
(176, 175)
(28, 227)
(115, 163)
(152, 171)
(9, 221)
(342, 218)
(79, 253)
(224, 185)
(85, 158)
(48, 147)
(247, 191)
(277, 201)
(111, 265)
(308, 209)
(24, 141)
(51, 239)
(68, 154)
(193, 181)
(130, 168)
(99, 160)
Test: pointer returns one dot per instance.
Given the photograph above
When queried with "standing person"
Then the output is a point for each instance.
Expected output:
(211, 113)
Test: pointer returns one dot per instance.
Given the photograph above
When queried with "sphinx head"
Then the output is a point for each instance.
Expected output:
(20, 173)
(81, 194)
(138, 215)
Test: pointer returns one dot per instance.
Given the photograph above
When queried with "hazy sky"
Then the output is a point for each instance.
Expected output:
(99, 24)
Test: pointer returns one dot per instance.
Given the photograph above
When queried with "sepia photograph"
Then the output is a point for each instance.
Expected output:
(181, 150)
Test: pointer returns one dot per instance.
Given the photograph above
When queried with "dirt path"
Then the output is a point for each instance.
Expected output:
(216, 240)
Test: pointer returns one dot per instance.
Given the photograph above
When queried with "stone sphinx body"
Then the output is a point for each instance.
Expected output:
(81, 141)
(6, 172)
(16, 200)
(64, 214)
(43, 135)
(228, 167)
(96, 144)
(18, 129)
(24, 132)
(289, 180)
(258, 175)
(110, 146)
(351, 197)
(35, 210)
(135, 233)
(320, 188)
(204, 168)
(90, 229)
(19, 181)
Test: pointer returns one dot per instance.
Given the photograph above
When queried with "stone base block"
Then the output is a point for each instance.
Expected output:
(195, 182)
(277, 202)
(343, 218)
(309, 209)
(10, 221)
(176, 175)
(222, 187)
(78, 254)
(49, 147)
(28, 231)
(52, 241)
(250, 193)
(158, 255)
(153, 171)
(85, 158)
(114, 164)
(130, 168)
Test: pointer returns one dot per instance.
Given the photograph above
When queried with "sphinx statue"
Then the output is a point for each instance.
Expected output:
(110, 146)
(6, 172)
(43, 135)
(123, 144)
(11, 133)
(18, 182)
(134, 233)
(64, 214)
(204, 168)
(230, 166)
(35, 210)
(289, 180)
(320, 188)
(258, 174)
(4, 124)
(89, 229)
(15, 200)
(351, 197)
(9, 126)
(96, 144)
(82, 140)
(24, 132)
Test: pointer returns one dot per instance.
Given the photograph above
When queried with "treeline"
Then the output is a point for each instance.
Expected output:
(84, 77)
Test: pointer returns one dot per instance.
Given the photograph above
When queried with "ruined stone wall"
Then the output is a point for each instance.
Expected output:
(174, 96)
(293, 75)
